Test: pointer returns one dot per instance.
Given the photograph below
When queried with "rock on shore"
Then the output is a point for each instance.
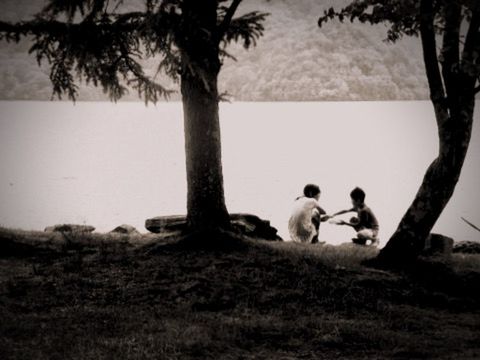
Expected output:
(438, 245)
(125, 229)
(248, 224)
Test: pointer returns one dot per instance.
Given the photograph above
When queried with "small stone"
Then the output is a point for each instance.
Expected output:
(437, 244)
(125, 229)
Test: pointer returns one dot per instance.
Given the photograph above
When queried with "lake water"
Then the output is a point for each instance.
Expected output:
(106, 164)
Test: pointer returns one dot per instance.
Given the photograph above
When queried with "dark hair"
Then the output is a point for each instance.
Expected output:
(358, 194)
(311, 190)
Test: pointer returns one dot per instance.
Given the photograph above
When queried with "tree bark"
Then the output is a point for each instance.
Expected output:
(435, 191)
(205, 196)
(454, 107)
(206, 209)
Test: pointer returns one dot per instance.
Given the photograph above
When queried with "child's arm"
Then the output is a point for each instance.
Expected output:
(346, 223)
(343, 212)
(323, 214)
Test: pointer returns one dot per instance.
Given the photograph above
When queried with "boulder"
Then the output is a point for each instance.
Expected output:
(467, 247)
(169, 223)
(438, 245)
(254, 226)
(125, 229)
(70, 228)
(247, 224)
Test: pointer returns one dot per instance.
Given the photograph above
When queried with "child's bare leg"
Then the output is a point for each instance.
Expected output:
(316, 219)
(368, 234)
(359, 241)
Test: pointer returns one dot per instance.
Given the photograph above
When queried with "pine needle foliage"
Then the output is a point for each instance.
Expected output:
(98, 42)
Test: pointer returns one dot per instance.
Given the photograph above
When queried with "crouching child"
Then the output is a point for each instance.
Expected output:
(304, 222)
(365, 223)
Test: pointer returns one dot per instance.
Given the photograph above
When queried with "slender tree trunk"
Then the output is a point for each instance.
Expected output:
(206, 208)
(435, 191)
(452, 92)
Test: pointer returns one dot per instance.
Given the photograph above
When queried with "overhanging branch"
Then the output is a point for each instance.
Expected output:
(227, 19)
(36, 27)
(16, 31)
(145, 87)
(100, 51)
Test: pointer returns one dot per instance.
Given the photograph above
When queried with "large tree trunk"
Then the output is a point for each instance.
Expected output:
(452, 92)
(206, 208)
(205, 197)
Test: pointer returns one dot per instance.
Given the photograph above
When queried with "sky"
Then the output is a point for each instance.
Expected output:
(295, 60)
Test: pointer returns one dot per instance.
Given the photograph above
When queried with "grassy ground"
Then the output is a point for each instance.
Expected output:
(152, 297)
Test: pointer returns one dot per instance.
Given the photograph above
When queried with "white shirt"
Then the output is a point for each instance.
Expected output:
(300, 224)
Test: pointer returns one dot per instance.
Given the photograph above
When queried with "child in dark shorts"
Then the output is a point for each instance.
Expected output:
(366, 223)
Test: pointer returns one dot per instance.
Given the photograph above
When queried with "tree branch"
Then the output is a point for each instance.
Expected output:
(52, 27)
(451, 36)
(470, 64)
(469, 223)
(246, 28)
(144, 85)
(451, 52)
(35, 27)
(472, 42)
(227, 19)
(471, 50)
(430, 58)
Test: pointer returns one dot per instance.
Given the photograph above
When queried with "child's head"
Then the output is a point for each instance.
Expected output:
(358, 196)
(311, 191)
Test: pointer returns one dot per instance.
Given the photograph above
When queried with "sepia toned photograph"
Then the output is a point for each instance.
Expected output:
(239, 179)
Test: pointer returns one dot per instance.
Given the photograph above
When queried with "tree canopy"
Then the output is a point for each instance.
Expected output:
(405, 18)
(97, 42)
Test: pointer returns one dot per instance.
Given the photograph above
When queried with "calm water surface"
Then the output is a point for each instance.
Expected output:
(106, 164)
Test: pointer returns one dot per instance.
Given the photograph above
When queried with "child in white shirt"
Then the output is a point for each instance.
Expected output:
(306, 216)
